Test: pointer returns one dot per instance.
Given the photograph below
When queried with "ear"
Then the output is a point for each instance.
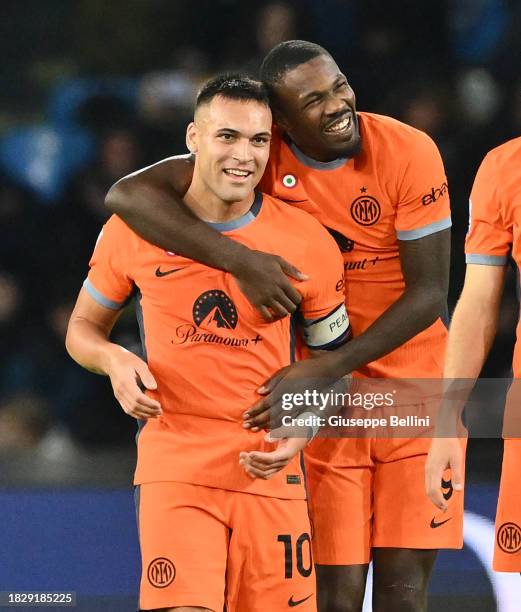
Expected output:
(191, 137)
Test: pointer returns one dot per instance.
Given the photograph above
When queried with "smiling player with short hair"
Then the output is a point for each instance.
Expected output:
(210, 534)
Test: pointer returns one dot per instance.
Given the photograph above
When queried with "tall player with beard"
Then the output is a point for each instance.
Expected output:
(209, 533)
(379, 187)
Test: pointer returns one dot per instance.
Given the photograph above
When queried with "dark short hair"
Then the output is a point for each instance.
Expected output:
(232, 87)
(285, 56)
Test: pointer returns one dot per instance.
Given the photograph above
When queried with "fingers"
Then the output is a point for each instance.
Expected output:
(444, 454)
(292, 271)
(288, 303)
(258, 408)
(256, 473)
(138, 411)
(272, 382)
(278, 310)
(291, 292)
(433, 478)
(266, 314)
(145, 376)
(262, 465)
(141, 414)
(267, 459)
(457, 470)
(265, 414)
(141, 399)
(136, 403)
(259, 421)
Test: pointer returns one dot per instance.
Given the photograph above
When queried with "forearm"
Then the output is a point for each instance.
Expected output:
(90, 347)
(160, 216)
(472, 332)
(413, 312)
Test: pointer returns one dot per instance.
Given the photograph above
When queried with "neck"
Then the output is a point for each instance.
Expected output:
(210, 208)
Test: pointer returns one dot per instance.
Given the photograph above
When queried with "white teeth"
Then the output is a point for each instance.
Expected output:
(237, 172)
(341, 125)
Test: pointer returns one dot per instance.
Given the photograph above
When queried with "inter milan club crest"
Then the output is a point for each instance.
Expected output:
(509, 538)
(289, 180)
(366, 210)
(161, 572)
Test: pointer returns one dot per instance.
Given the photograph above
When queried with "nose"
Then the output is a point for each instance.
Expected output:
(242, 150)
(334, 104)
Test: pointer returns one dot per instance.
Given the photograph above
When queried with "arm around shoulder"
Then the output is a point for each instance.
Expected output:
(167, 180)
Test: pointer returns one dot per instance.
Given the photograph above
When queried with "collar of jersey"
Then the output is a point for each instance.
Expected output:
(313, 163)
(245, 219)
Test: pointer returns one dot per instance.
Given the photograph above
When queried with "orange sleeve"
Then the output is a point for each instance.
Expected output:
(323, 316)
(423, 194)
(108, 281)
(488, 241)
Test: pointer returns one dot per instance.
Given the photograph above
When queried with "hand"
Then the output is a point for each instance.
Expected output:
(319, 373)
(264, 464)
(444, 453)
(128, 374)
(263, 278)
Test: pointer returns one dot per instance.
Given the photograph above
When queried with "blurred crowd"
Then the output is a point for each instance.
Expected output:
(95, 90)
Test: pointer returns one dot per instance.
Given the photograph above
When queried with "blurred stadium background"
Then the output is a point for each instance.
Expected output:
(91, 90)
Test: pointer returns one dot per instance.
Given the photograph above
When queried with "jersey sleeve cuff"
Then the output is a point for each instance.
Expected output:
(100, 298)
(486, 260)
(426, 230)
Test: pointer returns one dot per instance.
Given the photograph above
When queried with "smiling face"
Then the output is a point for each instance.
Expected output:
(316, 107)
(231, 139)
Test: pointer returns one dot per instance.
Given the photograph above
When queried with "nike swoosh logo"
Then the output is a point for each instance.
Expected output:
(434, 524)
(296, 602)
(161, 273)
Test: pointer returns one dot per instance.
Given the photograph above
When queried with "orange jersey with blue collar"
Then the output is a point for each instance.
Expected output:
(209, 349)
(394, 190)
(495, 216)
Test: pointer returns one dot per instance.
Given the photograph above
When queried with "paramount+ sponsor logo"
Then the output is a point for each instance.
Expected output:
(509, 538)
(435, 194)
(213, 312)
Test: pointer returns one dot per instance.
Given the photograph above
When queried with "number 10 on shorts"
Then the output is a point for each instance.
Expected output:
(302, 549)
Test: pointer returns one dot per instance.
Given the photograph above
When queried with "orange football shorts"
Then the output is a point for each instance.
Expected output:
(205, 547)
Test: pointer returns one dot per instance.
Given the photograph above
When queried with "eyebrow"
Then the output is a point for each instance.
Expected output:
(316, 93)
(237, 133)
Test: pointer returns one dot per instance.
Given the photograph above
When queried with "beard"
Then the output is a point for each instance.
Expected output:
(353, 148)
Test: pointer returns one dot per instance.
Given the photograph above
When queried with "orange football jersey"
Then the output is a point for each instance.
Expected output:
(394, 190)
(209, 349)
(495, 216)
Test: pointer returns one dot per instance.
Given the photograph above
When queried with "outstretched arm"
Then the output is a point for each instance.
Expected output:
(150, 202)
